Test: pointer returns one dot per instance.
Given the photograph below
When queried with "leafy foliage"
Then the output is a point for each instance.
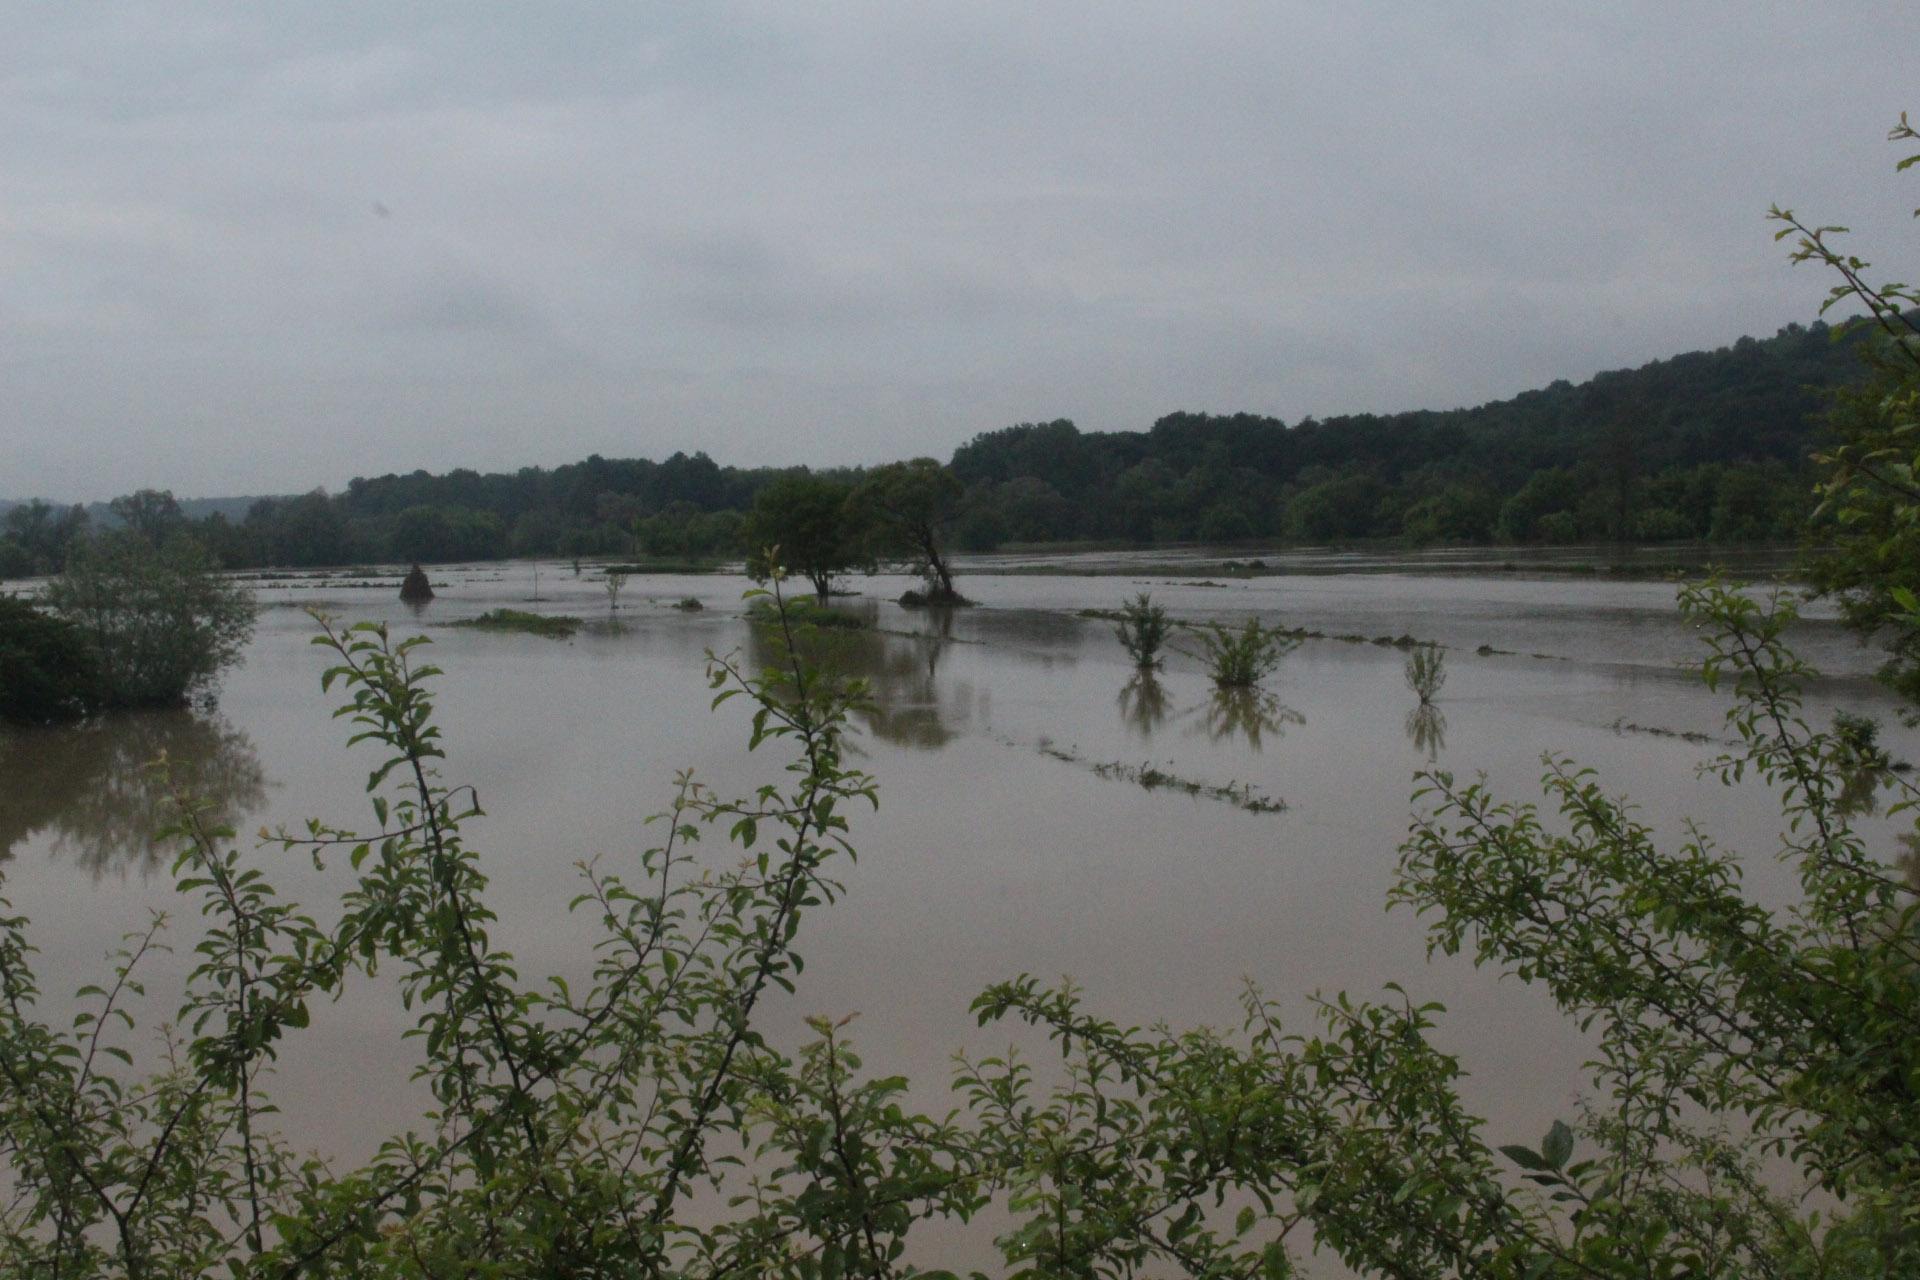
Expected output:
(554, 626)
(1868, 541)
(47, 671)
(160, 621)
(807, 519)
(1704, 445)
(1143, 628)
(1241, 659)
(1426, 671)
(906, 508)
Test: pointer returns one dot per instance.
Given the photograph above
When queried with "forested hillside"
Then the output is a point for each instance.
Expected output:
(1711, 444)
(1707, 445)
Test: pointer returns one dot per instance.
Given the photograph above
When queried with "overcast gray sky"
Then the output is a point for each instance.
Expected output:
(259, 248)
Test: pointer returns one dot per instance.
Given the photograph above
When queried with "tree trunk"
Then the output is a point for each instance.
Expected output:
(937, 568)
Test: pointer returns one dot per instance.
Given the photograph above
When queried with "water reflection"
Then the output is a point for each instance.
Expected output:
(908, 708)
(89, 787)
(1253, 714)
(1427, 730)
(1143, 703)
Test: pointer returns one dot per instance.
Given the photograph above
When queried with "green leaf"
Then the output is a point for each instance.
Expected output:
(1557, 1146)
(1525, 1158)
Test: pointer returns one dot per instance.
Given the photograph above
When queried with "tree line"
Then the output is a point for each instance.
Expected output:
(1710, 445)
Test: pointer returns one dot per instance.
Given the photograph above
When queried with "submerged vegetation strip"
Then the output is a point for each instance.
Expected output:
(556, 626)
(1241, 795)
(1401, 641)
(1623, 725)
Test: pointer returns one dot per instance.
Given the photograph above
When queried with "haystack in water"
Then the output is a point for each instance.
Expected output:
(415, 589)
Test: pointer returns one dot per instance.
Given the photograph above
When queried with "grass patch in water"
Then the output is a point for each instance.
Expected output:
(806, 612)
(555, 626)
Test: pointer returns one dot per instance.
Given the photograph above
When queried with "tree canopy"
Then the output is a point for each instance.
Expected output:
(807, 518)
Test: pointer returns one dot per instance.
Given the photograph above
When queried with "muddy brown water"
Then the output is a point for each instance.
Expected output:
(998, 848)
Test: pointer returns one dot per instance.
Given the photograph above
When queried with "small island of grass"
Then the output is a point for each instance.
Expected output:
(554, 626)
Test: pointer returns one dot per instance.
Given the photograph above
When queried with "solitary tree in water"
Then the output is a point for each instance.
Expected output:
(908, 507)
(806, 517)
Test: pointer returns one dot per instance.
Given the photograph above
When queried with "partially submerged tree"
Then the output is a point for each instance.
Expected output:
(48, 672)
(162, 623)
(806, 517)
(907, 508)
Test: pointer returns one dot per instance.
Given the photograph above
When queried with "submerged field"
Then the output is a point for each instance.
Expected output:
(1043, 809)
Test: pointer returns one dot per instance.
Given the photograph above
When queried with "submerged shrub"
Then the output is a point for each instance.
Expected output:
(48, 673)
(1426, 671)
(1241, 659)
(1143, 629)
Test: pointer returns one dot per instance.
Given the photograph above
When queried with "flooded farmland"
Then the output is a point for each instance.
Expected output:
(1010, 743)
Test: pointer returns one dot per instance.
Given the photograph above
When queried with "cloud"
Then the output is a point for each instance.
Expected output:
(848, 232)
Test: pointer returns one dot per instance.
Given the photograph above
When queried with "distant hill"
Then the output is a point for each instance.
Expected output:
(1636, 453)
(1705, 445)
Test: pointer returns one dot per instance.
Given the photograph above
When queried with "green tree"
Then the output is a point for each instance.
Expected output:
(160, 621)
(308, 530)
(1456, 513)
(15, 560)
(906, 508)
(1545, 493)
(43, 532)
(149, 514)
(806, 517)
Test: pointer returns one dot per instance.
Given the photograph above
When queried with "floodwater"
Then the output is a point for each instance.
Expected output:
(1001, 845)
